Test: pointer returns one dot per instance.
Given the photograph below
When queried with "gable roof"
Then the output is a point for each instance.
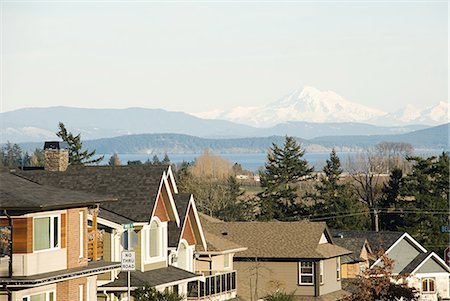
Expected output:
(384, 239)
(293, 240)
(136, 187)
(421, 259)
(174, 231)
(17, 193)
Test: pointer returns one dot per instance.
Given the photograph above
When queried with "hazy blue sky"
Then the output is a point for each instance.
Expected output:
(199, 56)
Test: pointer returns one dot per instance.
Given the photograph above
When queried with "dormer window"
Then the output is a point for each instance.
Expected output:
(46, 233)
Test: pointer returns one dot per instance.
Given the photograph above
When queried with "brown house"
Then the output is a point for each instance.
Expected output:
(298, 257)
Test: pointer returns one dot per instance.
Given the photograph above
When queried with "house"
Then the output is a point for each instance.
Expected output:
(166, 230)
(212, 258)
(44, 247)
(422, 269)
(298, 257)
(146, 202)
(364, 246)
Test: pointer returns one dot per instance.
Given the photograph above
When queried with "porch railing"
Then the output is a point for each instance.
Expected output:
(214, 285)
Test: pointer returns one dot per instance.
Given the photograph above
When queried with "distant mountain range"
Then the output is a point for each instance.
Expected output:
(311, 105)
(39, 124)
(435, 138)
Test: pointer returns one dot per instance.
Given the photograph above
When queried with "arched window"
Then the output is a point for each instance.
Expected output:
(154, 239)
(183, 259)
(428, 285)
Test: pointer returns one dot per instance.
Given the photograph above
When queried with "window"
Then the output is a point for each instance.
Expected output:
(428, 285)
(154, 248)
(46, 296)
(81, 223)
(306, 273)
(46, 233)
(338, 268)
(226, 260)
(321, 272)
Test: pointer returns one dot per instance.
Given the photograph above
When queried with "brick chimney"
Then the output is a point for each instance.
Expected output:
(56, 156)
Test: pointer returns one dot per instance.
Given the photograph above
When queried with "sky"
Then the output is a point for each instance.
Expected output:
(196, 56)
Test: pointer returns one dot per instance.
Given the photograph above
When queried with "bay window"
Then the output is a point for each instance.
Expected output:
(46, 233)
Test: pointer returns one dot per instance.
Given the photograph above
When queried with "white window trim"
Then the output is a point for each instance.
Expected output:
(300, 274)
(52, 233)
(81, 229)
(321, 278)
(47, 295)
(162, 241)
(428, 280)
(189, 255)
(338, 268)
(227, 259)
(80, 292)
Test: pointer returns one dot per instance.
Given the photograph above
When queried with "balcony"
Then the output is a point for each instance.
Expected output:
(220, 286)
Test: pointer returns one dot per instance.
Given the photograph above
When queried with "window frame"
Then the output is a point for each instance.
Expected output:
(161, 242)
(81, 292)
(226, 261)
(47, 295)
(428, 280)
(52, 232)
(300, 273)
(338, 268)
(321, 277)
(81, 227)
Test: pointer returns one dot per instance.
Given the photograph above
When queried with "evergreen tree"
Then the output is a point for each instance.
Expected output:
(426, 193)
(155, 160)
(235, 207)
(165, 160)
(285, 166)
(335, 197)
(12, 155)
(390, 203)
(76, 155)
(26, 160)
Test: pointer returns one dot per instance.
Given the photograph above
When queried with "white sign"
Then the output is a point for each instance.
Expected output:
(128, 261)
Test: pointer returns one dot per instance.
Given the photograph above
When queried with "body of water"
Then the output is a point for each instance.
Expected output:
(250, 162)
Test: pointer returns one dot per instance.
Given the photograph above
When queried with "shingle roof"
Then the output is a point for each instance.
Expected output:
(181, 202)
(152, 278)
(354, 244)
(276, 239)
(387, 238)
(17, 193)
(136, 187)
(215, 243)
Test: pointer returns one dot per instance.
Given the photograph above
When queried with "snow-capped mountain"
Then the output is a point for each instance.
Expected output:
(311, 105)
(308, 104)
(431, 115)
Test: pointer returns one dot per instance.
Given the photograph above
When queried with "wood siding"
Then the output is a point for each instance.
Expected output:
(22, 235)
(272, 275)
(63, 230)
(188, 233)
(160, 210)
